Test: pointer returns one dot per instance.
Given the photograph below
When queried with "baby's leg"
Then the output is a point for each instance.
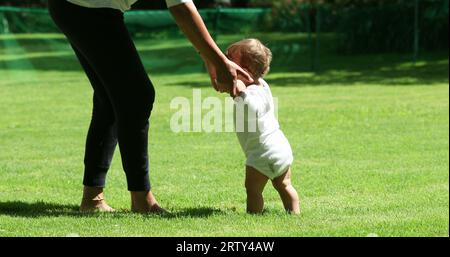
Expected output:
(254, 184)
(289, 196)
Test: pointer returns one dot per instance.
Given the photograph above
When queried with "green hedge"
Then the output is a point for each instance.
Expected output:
(391, 27)
(368, 26)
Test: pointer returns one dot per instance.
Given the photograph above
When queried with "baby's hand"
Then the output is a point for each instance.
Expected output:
(240, 87)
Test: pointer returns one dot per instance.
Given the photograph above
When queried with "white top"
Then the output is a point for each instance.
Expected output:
(255, 116)
(122, 5)
(264, 144)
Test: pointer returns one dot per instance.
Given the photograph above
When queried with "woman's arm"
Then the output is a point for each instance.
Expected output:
(224, 73)
(192, 25)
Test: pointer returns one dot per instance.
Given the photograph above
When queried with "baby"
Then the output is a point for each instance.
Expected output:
(269, 155)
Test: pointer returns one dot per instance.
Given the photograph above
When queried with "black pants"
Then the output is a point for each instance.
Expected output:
(123, 93)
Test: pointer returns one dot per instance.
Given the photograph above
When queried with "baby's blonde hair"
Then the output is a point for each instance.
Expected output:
(255, 56)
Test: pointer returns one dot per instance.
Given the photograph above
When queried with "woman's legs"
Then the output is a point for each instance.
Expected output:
(100, 144)
(101, 38)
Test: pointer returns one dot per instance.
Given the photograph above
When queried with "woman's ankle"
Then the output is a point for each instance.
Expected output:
(93, 200)
(93, 193)
(144, 202)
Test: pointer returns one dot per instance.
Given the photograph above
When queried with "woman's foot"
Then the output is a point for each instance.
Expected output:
(145, 202)
(93, 201)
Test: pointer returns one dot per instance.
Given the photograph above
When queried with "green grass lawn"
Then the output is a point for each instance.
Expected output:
(370, 135)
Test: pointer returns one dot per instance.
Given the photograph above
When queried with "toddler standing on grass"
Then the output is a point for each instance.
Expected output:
(268, 152)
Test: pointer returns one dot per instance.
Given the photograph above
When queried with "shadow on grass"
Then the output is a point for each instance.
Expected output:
(37, 209)
(199, 212)
(43, 209)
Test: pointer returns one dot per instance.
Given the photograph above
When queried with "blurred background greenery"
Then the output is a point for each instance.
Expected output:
(360, 26)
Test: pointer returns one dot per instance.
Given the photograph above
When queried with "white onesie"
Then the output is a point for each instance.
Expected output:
(259, 134)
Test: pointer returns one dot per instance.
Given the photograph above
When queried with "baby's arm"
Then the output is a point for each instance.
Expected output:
(248, 97)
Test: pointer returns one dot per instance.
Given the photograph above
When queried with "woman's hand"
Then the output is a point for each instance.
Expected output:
(224, 73)
(240, 87)
(212, 74)
(224, 76)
